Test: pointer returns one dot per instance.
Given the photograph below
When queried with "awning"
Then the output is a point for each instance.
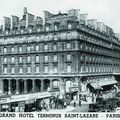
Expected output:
(104, 83)
(95, 85)
(98, 85)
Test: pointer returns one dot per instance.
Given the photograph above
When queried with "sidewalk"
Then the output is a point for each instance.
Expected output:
(67, 109)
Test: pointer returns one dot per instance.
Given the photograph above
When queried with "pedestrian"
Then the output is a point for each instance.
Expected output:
(74, 104)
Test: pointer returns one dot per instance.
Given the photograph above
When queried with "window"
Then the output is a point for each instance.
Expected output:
(45, 47)
(55, 37)
(37, 69)
(28, 48)
(68, 45)
(28, 59)
(20, 59)
(20, 49)
(69, 26)
(5, 60)
(28, 69)
(5, 50)
(68, 68)
(68, 57)
(55, 58)
(37, 58)
(46, 69)
(5, 70)
(55, 84)
(12, 49)
(13, 69)
(46, 58)
(20, 69)
(12, 60)
(55, 69)
(47, 28)
(56, 27)
(54, 47)
(37, 47)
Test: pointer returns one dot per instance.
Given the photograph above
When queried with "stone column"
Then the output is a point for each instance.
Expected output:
(2, 87)
(9, 87)
(33, 85)
(25, 86)
(42, 85)
(17, 87)
(51, 85)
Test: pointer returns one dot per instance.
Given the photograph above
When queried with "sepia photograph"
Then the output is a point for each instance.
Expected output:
(59, 56)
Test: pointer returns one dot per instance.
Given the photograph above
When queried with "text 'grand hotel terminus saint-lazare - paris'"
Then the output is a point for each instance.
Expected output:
(61, 62)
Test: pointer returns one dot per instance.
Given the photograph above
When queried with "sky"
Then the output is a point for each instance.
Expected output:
(106, 11)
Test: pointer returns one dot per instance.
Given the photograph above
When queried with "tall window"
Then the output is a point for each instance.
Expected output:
(45, 47)
(28, 59)
(20, 69)
(47, 28)
(12, 60)
(55, 84)
(55, 69)
(46, 58)
(69, 26)
(68, 68)
(13, 69)
(20, 49)
(37, 58)
(37, 69)
(37, 47)
(46, 69)
(20, 59)
(5, 60)
(5, 70)
(56, 27)
(28, 69)
(68, 57)
(55, 37)
(55, 57)
(12, 49)
(54, 47)
(68, 46)
(28, 48)
(5, 50)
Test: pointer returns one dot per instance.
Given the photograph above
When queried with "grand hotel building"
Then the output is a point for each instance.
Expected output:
(61, 54)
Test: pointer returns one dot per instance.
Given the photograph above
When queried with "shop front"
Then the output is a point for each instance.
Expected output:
(24, 102)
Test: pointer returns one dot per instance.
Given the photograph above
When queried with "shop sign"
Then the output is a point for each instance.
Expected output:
(54, 93)
(30, 101)
(4, 100)
(74, 89)
(5, 106)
